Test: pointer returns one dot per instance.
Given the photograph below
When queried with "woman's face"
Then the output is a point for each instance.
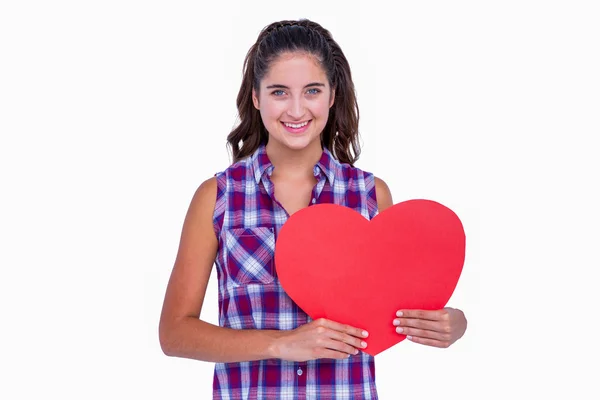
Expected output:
(294, 100)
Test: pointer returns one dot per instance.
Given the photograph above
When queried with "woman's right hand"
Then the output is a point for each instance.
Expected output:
(321, 338)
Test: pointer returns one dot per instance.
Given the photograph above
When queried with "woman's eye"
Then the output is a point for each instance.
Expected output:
(313, 91)
(278, 92)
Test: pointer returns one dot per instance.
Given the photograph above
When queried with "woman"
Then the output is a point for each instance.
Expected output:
(295, 146)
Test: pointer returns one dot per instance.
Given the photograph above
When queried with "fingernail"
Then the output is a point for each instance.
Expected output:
(365, 333)
(396, 322)
(399, 314)
(409, 337)
(355, 351)
(399, 330)
(363, 344)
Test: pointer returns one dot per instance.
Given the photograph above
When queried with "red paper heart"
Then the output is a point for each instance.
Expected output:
(338, 265)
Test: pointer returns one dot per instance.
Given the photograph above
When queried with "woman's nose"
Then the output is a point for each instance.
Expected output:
(296, 109)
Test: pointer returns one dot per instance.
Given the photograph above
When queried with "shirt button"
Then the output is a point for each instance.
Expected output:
(314, 201)
(299, 372)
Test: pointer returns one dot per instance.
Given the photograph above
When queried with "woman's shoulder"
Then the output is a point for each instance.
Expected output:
(238, 170)
(206, 193)
(348, 171)
(383, 194)
(372, 184)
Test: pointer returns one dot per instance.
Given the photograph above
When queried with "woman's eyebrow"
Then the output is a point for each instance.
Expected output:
(278, 86)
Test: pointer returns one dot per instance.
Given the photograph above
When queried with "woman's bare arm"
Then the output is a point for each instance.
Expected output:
(181, 332)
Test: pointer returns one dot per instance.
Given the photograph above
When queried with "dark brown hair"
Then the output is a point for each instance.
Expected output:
(340, 135)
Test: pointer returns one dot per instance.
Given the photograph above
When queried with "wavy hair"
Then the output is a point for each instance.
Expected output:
(340, 135)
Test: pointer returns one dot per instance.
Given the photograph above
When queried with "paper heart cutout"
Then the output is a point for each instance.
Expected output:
(336, 264)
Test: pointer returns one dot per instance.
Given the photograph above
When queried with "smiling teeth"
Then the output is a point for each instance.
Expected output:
(296, 126)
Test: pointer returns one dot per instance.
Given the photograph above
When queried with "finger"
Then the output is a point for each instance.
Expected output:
(429, 342)
(431, 315)
(423, 333)
(338, 345)
(347, 329)
(438, 326)
(328, 353)
(356, 343)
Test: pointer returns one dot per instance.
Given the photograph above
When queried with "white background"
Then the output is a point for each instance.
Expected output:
(113, 112)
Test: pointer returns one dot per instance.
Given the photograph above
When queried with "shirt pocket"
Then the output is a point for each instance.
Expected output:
(250, 255)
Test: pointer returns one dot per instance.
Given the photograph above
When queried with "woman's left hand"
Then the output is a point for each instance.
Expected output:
(437, 328)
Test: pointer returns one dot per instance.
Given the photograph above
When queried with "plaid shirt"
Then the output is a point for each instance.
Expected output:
(247, 219)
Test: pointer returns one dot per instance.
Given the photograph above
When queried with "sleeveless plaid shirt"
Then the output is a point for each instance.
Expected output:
(247, 219)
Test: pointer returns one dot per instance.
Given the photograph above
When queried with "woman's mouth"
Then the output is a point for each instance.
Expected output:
(296, 127)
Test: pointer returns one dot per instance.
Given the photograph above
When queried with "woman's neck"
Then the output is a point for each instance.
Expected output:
(294, 164)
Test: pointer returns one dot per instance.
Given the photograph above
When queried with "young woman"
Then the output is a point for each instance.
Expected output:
(295, 146)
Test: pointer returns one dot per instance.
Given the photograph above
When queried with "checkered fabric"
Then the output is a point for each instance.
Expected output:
(247, 219)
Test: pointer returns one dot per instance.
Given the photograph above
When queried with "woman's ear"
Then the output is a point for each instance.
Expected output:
(255, 100)
(332, 100)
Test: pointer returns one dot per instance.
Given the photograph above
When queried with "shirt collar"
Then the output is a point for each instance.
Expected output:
(261, 163)
(327, 165)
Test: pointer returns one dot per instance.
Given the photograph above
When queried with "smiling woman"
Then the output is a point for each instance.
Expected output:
(295, 146)
(293, 111)
(294, 61)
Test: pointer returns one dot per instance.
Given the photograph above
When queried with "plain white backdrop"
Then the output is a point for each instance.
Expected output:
(112, 113)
